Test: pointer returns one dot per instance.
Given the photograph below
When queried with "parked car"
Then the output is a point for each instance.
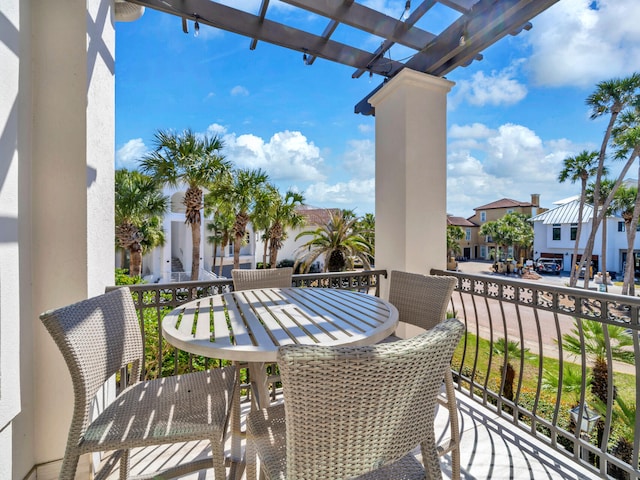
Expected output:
(548, 265)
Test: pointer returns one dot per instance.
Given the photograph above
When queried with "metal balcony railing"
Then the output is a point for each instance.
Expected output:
(513, 361)
(544, 357)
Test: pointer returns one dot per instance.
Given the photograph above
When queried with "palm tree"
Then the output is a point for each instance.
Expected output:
(455, 233)
(139, 206)
(220, 228)
(606, 190)
(507, 350)
(627, 202)
(581, 167)
(337, 240)
(512, 230)
(283, 215)
(238, 192)
(193, 160)
(612, 97)
(262, 216)
(592, 338)
(624, 415)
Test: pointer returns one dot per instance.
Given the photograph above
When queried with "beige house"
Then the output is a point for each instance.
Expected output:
(469, 242)
(474, 245)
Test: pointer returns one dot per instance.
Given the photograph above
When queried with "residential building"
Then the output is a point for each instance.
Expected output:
(555, 233)
(469, 242)
(493, 211)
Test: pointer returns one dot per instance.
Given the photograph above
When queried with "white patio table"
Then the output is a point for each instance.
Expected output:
(250, 325)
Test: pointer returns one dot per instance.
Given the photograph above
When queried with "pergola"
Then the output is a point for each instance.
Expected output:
(476, 25)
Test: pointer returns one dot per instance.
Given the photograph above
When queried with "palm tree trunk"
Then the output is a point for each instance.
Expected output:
(603, 253)
(264, 252)
(195, 253)
(135, 260)
(573, 277)
(237, 244)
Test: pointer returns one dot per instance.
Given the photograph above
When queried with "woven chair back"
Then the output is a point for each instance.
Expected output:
(97, 337)
(246, 279)
(421, 300)
(350, 410)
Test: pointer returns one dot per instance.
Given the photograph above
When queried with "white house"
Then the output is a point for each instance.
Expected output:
(555, 233)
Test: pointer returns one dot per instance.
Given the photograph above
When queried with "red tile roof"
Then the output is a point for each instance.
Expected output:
(316, 216)
(459, 221)
(504, 203)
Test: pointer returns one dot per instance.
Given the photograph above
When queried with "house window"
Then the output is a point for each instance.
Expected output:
(509, 210)
(483, 251)
(488, 239)
(574, 231)
(483, 216)
(556, 232)
(621, 227)
(467, 234)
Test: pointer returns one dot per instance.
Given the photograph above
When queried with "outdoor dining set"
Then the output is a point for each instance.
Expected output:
(361, 377)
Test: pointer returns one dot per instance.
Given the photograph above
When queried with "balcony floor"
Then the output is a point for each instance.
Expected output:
(491, 448)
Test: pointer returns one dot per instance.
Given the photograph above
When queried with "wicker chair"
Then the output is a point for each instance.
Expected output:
(354, 412)
(245, 279)
(422, 301)
(99, 337)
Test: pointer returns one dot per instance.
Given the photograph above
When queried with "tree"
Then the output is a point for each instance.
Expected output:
(366, 225)
(581, 167)
(337, 240)
(606, 187)
(455, 233)
(237, 192)
(193, 160)
(512, 230)
(627, 203)
(139, 206)
(221, 229)
(598, 345)
(283, 215)
(508, 350)
(612, 97)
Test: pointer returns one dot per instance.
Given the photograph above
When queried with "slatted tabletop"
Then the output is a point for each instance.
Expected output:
(250, 325)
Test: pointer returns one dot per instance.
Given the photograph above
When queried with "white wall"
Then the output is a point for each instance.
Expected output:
(12, 42)
(56, 207)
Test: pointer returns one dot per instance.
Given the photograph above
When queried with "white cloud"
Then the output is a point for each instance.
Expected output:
(239, 91)
(360, 193)
(574, 44)
(130, 153)
(359, 160)
(286, 156)
(510, 162)
(365, 128)
(497, 88)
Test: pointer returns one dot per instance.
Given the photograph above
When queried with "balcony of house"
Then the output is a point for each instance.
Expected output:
(531, 404)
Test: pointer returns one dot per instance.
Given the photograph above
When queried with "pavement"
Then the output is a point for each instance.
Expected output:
(484, 267)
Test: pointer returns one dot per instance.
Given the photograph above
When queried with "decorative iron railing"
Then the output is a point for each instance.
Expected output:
(544, 357)
(153, 301)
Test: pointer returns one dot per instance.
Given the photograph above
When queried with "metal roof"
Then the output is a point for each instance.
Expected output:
(567, 213)
(474, 26)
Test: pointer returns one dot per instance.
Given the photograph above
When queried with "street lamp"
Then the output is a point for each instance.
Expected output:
(589, 418)
(588, 421)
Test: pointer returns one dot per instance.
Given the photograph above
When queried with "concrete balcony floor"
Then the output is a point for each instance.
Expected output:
(491, 448)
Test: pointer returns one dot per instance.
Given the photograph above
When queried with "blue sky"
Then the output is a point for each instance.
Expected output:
(512, 117)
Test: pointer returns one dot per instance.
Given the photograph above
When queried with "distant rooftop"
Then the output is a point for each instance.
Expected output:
(504, 203)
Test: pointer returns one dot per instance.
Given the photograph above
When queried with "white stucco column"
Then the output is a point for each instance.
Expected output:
(411, 172)
(72, 132)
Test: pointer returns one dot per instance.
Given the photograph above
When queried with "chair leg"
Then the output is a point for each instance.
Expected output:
(69, 466)
(250, 457)
(124, 465)
(217, 456)
(454, 443)
(430, 458)
(236, 432)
